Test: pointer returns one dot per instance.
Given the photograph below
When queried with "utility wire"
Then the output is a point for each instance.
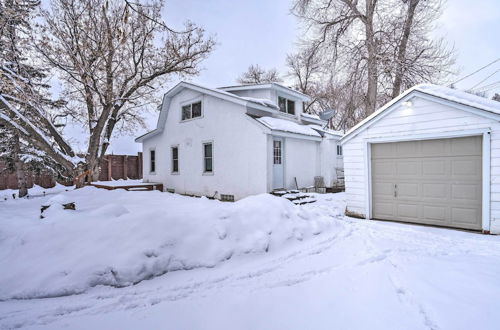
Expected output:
(467, 76)
(487, 87)
(479, 83)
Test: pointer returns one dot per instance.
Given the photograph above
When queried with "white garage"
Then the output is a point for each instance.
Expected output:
(430, 156)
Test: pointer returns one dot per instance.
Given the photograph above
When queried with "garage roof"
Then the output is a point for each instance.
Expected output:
(464, 100)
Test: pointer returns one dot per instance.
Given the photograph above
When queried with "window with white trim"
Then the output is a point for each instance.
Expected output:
(286, 105)
(208, 157)
(190, 111)
(175, 159)
(339, 150)
(277, 152)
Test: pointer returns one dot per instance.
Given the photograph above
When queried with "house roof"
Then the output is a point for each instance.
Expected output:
(271, 85)
(259, 104)
(284, 125)
(464, 100)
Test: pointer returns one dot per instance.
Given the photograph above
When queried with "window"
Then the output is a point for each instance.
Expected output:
(227, 198)
(286, 106)
(191, 111)
(207, 158)
(339, 150)
(152, 161)
(277, 152)
(175, 159)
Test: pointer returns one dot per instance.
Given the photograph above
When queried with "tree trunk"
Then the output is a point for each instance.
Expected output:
(371, 92)
(19, 167)
(398, 78)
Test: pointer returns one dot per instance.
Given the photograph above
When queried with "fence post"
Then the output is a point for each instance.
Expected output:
(125, 165)
(110, 176)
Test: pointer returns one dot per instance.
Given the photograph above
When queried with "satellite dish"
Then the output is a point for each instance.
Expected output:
(327, 114)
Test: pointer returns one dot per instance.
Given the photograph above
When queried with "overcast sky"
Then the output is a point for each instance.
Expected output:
(263, 32)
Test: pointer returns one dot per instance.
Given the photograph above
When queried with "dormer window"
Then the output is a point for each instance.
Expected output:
(286, 105)
(190, 111)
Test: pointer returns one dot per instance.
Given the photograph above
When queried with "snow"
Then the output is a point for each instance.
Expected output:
(354, 274)
(264, 102)
(121, 182)
(447, 93)
(35, 191)
(118, 239)
(460, 97)
(287, 126)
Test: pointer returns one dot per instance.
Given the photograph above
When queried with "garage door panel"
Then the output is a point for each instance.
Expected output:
(434, 167)
(437, 213)
(408, 169)
(383, 168)
(466, 192)
(435, 191)
(406, 190)
(384, 209)
(438, 182)
(385, 150)
(407, 210)
(436, 148)
(466, 146)
(465, 167)
(384, 189)
(407, 149)
(464, 215)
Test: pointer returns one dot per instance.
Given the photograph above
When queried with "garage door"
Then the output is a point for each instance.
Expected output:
(435, 182)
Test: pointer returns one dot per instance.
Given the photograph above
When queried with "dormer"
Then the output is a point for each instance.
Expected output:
(289, 101)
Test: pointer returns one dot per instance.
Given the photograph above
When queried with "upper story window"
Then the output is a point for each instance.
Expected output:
(339, 150)
(190, 111)
(286, 105)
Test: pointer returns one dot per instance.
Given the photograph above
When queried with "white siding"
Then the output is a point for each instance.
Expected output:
(423, 117)
(301, 162)
(239, 158)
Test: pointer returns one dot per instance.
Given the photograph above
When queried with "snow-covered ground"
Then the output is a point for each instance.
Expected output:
(35, 191)
(261, 263)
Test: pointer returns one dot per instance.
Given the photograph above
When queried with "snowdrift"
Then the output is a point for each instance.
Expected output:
(118, 238)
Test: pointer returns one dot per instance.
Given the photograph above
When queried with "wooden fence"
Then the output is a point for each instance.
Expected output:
(112, 167)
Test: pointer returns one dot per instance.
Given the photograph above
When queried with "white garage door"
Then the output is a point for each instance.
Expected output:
(435, 182)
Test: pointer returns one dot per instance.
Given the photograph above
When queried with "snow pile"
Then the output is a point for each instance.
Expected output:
(35, 191)
(118, 238)
(287, 126)
(119, 182)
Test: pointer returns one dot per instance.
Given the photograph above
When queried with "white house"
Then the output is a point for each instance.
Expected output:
(430, 156)
(236, 141)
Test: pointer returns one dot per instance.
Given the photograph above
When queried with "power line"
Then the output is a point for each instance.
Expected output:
(467, 76)
(486, 87)
(479, 83)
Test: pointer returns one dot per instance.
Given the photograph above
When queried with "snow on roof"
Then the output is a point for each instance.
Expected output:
(310, 115)
(287, 126)
(325, 130)
(264, 102)
(266, 85)
(460, 97)
(446, 93)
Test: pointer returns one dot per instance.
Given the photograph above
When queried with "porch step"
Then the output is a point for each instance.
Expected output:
(295, 196)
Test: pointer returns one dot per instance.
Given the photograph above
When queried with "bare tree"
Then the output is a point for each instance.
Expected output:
(256, 75)
(25, 106)
(112, 56)
(381, 46)
(496, 97)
